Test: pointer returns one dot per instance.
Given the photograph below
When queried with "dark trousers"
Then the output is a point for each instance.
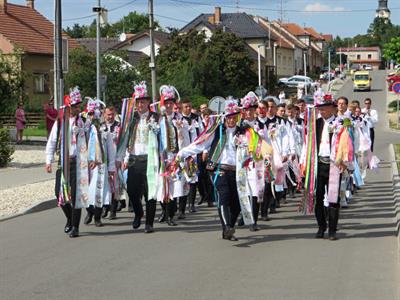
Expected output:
(269, 200)
(228, 199)
(137, 189)
(72, 214)
(322, 212)
(205, 183)
(255, 206)
(372, 136)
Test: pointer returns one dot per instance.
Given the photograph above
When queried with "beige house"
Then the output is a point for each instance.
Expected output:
(363, 56)
(27, 38)
(282, 49)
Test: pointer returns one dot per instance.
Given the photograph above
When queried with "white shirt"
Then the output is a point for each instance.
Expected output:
(228, 154)
(141, 138)
(372, 117)
(324, 146)
(51, 145)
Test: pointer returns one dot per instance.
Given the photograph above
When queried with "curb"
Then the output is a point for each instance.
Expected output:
(41, 206)
(396, 189)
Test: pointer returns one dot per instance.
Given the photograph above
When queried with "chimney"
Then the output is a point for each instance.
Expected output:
(30, 3)
(217, 15)
(3, 6)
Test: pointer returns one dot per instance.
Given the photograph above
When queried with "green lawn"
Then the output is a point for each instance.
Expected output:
(35, 132)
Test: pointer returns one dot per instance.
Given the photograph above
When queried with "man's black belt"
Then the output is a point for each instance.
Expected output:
(326, 160)
(133, 159)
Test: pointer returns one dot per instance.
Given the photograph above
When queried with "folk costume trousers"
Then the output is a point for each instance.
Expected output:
(323, 213)
(138, 188)
(228, 199)
(72, 214)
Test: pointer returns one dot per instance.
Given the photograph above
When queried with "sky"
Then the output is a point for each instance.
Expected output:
(345, 18)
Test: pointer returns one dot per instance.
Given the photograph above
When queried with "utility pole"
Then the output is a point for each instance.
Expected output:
(305, 70)
(98, 68)
(329, 65)
(152, 64)
(259, 65)
(59, 83)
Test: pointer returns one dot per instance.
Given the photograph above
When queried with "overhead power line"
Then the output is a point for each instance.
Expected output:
(278, 10)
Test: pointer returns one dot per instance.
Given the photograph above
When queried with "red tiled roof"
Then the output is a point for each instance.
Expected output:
(314, 33)
(28, 29)
(328, 37)
(295, 29)
(357, 49)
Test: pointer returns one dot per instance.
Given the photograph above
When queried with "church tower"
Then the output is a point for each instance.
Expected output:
(383, 10)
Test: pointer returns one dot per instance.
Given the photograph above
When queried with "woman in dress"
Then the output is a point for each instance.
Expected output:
(51, 115)
(20, 122)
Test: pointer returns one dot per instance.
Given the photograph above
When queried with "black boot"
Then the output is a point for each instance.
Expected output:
(106, 209)
(89, 216)
(320, 215)
(97, 216)
(150, 214)
(163, 215)
(121, 205)
(76, 218)
(182, 208)
(333, 213)
(67, 210)
(170, 211)
(113, 210)
(192, 197)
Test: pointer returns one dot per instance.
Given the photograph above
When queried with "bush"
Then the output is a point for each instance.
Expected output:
(393, 105)
(6, 148)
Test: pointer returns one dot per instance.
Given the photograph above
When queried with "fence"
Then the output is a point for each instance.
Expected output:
(32, 120)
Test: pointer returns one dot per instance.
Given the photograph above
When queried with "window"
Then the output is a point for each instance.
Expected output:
(369, 56)
(358, 56)
(40, 83)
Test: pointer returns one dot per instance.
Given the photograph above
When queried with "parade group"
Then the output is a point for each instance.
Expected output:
(245, 160)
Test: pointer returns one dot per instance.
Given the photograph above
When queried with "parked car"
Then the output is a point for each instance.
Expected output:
(354, 68)
(367, 67)
(392, 78)
(295, 81)
(326, 75)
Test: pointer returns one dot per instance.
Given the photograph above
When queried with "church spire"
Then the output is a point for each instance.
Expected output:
(383, 10)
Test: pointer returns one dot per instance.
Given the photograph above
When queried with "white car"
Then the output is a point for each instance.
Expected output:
(295, 81)
(367, 67)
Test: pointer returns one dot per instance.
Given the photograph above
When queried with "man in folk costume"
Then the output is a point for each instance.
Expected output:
(249, 105)
(173, 135)
(112, 126)
(331, 164)
(141, 159)
(68, 136)
(193, 127)
(296, 129)
(229, 152)
(275, 134)
(101, 158)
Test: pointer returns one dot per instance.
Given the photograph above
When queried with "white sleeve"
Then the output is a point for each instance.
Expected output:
(51, 144)
(194, 148)
(111, 153)
(374, 117)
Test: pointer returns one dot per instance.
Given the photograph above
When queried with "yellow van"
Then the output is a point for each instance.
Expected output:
(362, 81)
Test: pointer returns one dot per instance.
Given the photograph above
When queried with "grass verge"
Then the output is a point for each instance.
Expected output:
(397, 153)
(35, 132)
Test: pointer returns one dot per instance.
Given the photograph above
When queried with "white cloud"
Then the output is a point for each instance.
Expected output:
(318, 7)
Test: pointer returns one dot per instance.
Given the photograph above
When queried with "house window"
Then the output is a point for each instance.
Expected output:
(358, 56)
(369, 56)
(40, 83)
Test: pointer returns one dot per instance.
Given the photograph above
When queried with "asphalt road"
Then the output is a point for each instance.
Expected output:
(191, 261)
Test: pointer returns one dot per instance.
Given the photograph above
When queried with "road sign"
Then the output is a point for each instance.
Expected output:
(217, 104)
(396, 87)
(261, 92)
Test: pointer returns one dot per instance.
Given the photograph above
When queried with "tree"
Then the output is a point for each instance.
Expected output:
(391, 50)
(82, 73)
(131, 23)
(200, 67)
(11, 81)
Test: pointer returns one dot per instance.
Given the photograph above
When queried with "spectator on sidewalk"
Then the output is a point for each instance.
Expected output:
(51, 115)
(371, 115)
(20, 122)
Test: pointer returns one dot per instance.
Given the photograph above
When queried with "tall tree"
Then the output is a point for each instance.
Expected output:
(391, 50)
(198, 66)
